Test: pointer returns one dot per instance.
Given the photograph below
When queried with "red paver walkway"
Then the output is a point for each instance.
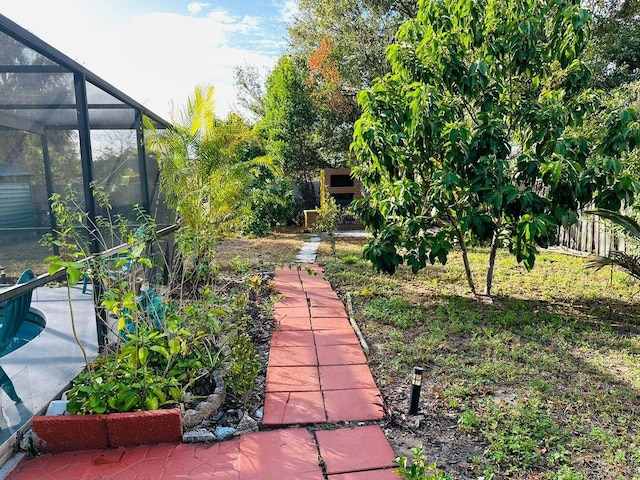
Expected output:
(315, 350)
(317, 373)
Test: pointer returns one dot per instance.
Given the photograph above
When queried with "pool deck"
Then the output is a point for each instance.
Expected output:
(43, 368)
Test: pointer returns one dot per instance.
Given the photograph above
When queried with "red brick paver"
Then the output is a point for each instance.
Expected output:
(354, 449)
(319, 336)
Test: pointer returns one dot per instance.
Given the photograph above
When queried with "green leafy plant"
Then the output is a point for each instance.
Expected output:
(477, 135)
(243, 368)
(329, 217)
(272, 203)
(417, 468)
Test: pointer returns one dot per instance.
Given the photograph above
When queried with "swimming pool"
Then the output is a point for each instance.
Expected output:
(34, 323)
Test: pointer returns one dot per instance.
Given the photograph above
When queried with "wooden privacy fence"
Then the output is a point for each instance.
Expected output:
(592, 235)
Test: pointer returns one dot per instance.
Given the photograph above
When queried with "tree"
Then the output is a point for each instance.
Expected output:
(288, 126)
(334, 101)
(476, 134)
(343, 44)
(204, 168)
(614, 53)
(250, 89)
(360, 31)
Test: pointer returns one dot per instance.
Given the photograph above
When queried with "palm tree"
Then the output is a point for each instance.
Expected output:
(631, 229)
(203, 172)
(204, 176)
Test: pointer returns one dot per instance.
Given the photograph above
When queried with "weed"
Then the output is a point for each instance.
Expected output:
(418, 469)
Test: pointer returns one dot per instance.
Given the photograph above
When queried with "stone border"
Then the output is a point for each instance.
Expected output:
(195, 416)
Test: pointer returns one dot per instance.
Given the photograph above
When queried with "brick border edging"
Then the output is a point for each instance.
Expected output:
(64, 433)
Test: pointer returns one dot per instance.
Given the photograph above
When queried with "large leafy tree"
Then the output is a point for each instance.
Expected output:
(343, 44)
(614, 52)
(288, 126)
(476, 134)
(360, 30)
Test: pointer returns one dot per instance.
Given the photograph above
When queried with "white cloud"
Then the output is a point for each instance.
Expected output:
(287, 9)
(195, 8)
(157, 59)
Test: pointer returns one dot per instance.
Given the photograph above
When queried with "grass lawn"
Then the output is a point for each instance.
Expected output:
(16, 256)
(543, 383)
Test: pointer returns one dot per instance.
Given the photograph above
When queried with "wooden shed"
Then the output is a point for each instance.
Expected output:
(16, 201)
(338, 183)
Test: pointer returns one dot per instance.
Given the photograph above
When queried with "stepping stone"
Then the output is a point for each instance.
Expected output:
(281, 312)
(292, 379)
(293, 323)
(356, 405)
(346, 377)
(337, 311)
(292, 338)
(326, 303)
(289, 408)
(293, 356)
(289, 454)
(342, 450)
(330, 323)
(340, 355)
(342, 336)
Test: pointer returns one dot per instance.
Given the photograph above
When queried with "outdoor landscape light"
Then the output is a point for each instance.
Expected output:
(416, 384)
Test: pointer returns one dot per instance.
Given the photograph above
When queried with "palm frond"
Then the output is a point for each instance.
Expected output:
(630, 263)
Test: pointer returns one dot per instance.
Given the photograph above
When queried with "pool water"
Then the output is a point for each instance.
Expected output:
(30, 329)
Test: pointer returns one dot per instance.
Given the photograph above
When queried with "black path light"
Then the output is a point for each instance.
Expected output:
(416, 385)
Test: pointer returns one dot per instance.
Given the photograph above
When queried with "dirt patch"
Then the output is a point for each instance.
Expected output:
(276, 248)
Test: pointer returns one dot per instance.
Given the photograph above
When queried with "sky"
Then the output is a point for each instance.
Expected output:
(157, 51)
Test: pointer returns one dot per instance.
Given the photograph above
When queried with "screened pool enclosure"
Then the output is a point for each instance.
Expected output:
(62, 129)
(61, 126)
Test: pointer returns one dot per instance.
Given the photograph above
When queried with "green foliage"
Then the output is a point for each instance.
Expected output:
(417, 468)
(343, 44)
(476, 134)
(392, 311)
(614, 52)
(329, 217)
(151, 370)
(272, 203)
(287, 125)
(468, 421)
(244, 367)
(523, 436)
(206, 165)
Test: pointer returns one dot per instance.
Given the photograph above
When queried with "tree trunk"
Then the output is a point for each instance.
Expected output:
(465, 260)
(492, 262)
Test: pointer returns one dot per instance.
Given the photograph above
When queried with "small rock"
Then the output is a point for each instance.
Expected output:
(223, 433)
(199, 436)
(29, 441)
(247, 424)
(259, 413)
(216, 400)
(191, 418)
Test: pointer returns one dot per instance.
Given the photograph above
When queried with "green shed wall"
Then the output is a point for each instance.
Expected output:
(16, 205)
